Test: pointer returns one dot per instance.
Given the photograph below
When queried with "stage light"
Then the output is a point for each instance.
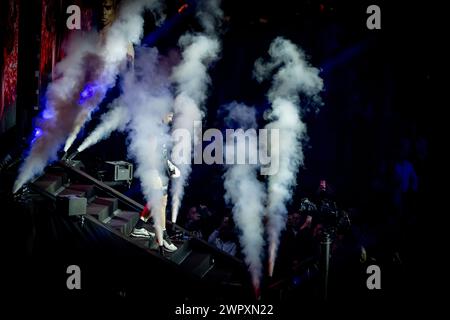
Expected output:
(37, 132)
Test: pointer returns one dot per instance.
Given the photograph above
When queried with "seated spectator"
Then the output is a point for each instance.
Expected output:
(194, 222)
(224, 237)
(296, 242)
(209, 220)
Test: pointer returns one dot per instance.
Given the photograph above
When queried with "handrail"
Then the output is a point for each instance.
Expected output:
(99, 184)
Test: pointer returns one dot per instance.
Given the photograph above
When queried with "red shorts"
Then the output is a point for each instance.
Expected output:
(146, 212)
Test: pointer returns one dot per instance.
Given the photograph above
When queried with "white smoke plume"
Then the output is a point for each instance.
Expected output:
(127, 29)
(124, 32)
(62, 108)
(116, 118)
(246, 193)
(79, 121)
(186, 112)
(191, 75)
(192, 80)
(148, 98)
(84, 76)
(293, 77)
(210, 16)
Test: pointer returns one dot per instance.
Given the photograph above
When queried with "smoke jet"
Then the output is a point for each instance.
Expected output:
(245, 192)
(192, 80)
(148, 98)
(116, 118)
(293, 77)
(84, 76)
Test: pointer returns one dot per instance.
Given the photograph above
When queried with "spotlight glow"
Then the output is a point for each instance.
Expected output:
(37, 133)
(48, 114)
(87, 93)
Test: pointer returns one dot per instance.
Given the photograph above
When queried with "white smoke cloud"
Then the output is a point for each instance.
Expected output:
(148, 98)
(85, 74)
(62, 108)
(116, 118)
(191, 76)
(290, 156)
(246, 193)
(126, 30)
(293, 77)
(79, 121)
(210, 15)
(192, 80)
(186, 112)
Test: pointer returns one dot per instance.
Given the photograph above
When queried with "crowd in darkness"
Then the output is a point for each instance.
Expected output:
(382, 231)
(369, 141)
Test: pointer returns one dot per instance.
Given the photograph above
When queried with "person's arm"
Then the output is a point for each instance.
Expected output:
(307, 222)
(231, 249)
(173, 169)
(213, 236)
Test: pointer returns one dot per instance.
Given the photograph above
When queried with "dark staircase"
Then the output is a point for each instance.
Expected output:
(118, 214)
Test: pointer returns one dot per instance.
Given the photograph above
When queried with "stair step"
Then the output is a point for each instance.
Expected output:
(124, 221)
(198, 263)
(57, 175)
(112, 203)
(99, 211)
(193, 256)
(182, 253)
(49, 183)
(88, 189)
(72, 192)
(204, 267)
(145, 242)
(55, 171)
(70, 205)
(224, 275)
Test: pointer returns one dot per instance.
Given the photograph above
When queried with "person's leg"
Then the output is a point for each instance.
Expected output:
(163, 211)
(167, 243)
(139, 230)
(157, 186)
(144, 216)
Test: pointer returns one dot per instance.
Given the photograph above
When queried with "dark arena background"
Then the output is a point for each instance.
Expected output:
(117, 191)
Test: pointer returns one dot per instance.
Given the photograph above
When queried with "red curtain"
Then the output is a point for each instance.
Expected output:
(10, 45)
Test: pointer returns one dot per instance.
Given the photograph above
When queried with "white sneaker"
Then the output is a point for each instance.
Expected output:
(141, 233)
(167, 244)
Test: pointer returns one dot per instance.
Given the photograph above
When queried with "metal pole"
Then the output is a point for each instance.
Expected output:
(325, 245)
